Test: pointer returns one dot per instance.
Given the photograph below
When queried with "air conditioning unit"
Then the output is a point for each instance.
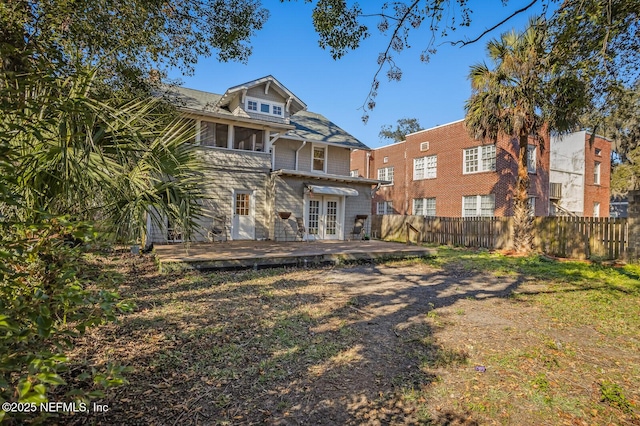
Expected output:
(424, 146)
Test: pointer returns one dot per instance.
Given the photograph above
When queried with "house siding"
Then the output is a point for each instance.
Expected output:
(338, 160)
(285, 156)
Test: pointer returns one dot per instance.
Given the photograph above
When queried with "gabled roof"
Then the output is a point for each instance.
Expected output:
(313, 127)
(308, 126)
(272, 84)
(194, 100)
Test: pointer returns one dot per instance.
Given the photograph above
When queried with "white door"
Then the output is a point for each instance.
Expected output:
(243, 225)
(324, 218)
(331, 221)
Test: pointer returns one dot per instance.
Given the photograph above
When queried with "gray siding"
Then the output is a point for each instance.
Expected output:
(304, 158)
(286, 154)
(289, 197)
(228, 170)
(273, 96)
(358, 205)
(339, 161)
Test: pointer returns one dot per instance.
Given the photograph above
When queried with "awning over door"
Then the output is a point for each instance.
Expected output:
(332, 190)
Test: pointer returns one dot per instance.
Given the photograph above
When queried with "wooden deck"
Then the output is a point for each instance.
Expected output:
(263, 254)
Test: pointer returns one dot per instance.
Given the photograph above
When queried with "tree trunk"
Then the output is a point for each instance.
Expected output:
(522, 221)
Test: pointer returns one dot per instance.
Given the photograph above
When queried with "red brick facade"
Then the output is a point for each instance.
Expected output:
(598, 150)
(451, 183)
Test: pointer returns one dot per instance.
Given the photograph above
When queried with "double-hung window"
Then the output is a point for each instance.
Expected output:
(386, 173)
(480, 159)
(478, 205)
(531, 158)
(424, 206)
(596, 173)
(425, 167)
(319, 160)
(384, 207)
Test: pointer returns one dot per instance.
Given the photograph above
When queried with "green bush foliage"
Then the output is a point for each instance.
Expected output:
(48, 296)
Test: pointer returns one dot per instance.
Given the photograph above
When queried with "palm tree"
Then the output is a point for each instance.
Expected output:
(103, 161)
(524, 95)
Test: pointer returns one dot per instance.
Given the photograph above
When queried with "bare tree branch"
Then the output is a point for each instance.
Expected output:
(488, 30)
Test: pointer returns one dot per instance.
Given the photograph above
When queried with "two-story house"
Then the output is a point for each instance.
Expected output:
(272, 166)
(580, 175)
(442, 171)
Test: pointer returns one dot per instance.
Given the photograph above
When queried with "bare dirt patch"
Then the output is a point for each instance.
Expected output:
(393, 343)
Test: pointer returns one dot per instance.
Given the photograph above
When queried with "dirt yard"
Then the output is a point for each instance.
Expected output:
(414, 342)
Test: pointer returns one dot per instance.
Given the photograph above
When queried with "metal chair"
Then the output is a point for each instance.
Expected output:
(302, 231)
(218, 230)
(358, 228)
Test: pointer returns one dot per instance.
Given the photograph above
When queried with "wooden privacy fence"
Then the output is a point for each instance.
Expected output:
(577, 237)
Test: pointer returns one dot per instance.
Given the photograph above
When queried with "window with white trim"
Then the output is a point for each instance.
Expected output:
(386, 173)
(596, 209)
(424, 206)
(480, 159)
(318, 160)
(384, 207)
(531, 206)
(531, 158)
(478, 205)
(425, 167)
(264, 107)
(354, 173)
(596, 173)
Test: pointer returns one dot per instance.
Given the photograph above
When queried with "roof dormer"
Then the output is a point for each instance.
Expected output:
(265, 98)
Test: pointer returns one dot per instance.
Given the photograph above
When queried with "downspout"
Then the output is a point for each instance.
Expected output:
(367, 164)
(298, 151)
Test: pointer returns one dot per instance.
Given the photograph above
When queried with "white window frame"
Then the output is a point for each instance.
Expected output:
(384, 207)
(596, 209)
(252, 105)
(596, 172)
(425, 167)
(386, 173)
(531, 158)
(260, 103)
(531, 205)
(424, 206)
(324, 160)
(478, 201)
(474, 160)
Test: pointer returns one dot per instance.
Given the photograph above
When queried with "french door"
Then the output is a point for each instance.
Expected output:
(324, 217)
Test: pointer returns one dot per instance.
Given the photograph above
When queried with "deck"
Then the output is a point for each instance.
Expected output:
(264, 254)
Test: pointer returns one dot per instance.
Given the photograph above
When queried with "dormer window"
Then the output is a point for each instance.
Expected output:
(263, 107)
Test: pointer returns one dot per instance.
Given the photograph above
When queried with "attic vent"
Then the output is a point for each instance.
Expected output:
(424, 146)
(385, 160)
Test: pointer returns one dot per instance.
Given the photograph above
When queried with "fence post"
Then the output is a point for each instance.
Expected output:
(633, 251)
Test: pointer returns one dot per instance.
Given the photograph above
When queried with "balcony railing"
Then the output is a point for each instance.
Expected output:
(555, 191)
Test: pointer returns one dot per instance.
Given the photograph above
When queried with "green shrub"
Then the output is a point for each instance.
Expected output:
(48, 296)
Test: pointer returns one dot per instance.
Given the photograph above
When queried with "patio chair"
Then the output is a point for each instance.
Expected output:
(302, 231)
(358, 228)
(219, 229)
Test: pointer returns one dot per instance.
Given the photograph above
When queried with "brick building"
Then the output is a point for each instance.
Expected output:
(580, 175)
(442, 171)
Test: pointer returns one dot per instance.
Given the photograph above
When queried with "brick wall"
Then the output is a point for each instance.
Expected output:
(448, 142)
(597, 193)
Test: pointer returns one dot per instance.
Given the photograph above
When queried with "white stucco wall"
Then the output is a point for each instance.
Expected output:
(567, 163)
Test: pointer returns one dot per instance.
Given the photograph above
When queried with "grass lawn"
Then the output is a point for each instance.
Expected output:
(464, 338)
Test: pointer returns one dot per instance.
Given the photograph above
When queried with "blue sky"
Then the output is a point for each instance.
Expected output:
(287, 48)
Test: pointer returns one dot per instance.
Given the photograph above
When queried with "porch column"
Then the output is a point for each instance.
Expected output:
(230, 136)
